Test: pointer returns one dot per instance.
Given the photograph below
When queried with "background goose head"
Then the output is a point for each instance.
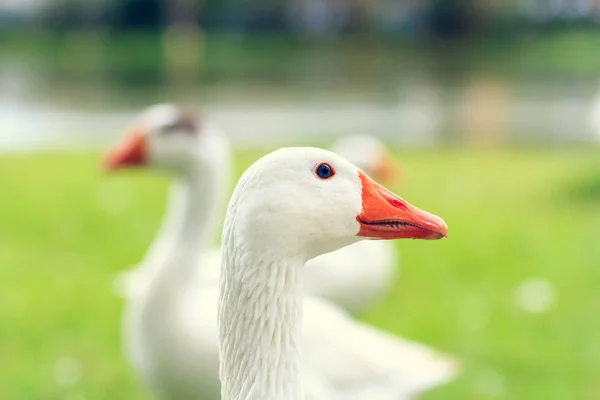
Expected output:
(371, 155)
(315, 200)
(169, 139)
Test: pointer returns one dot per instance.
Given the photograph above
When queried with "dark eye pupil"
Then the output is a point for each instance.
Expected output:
(324, 171)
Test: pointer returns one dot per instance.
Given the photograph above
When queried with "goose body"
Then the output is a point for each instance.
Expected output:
(170, 328)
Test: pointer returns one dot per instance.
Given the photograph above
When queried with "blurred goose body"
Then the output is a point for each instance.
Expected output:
(170, 328)
(353, 277)
(593, 117)
(265, 246)
(170, 325)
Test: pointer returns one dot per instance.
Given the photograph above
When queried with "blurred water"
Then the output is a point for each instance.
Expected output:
(37, 111)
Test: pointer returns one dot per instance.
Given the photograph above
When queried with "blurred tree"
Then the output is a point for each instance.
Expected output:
(317, 17)
(484, 116)
(183, 41)
(364, 15)
(456, 18)
(137, 14)
(436, 18)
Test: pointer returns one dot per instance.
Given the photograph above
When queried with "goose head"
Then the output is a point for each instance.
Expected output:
(316, 201)
(371, 155)
(167, 138)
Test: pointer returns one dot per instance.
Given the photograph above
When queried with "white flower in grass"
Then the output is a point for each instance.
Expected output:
(490, 384)
(68, 372)
(535, 295)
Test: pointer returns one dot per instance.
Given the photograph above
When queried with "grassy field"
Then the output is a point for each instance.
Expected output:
(65, 229)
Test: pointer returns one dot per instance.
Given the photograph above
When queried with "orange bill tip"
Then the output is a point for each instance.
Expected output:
(387, 216)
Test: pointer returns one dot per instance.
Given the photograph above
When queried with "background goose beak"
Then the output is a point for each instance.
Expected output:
(129, 152)
(387, 216)
(388, 170)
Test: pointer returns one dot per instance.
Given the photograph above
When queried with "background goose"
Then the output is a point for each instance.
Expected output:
(266, 243)
(169, 341)
(170, 327)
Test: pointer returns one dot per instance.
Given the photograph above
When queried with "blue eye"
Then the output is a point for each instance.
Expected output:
(324, 171)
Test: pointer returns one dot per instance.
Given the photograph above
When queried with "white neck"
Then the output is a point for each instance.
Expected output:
(190, 221)
(260, 317)
(184, 232)
(193, 203)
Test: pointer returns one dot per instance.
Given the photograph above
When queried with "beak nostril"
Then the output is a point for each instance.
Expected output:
(393, 200)
(398, 204)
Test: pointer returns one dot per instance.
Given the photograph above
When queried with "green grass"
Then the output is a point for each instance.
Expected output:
(65, 229)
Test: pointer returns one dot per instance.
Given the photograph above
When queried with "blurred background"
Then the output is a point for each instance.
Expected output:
(492, 108)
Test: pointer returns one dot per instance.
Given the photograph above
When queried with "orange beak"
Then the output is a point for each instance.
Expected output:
(130, 151)
(387, 216)
(388, 170)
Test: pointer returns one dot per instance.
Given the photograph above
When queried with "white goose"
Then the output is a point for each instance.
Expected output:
(170, 327)
(290, 206)
(168, 339)
(353, 277)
